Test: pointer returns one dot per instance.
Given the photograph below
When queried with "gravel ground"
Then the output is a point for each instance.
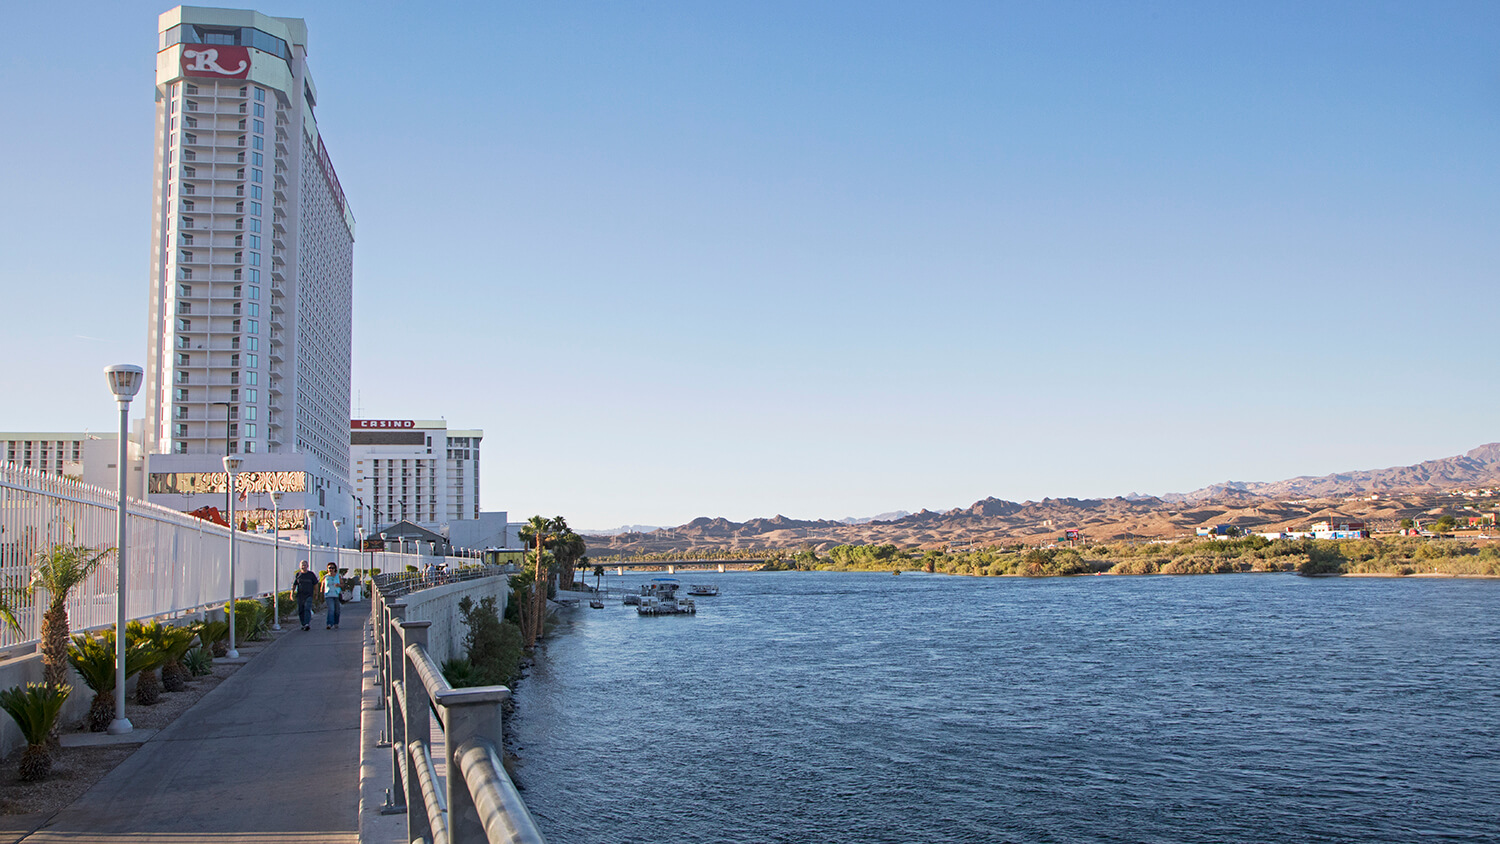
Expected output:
(76, 769)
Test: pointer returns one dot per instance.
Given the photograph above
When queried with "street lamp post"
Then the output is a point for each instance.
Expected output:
(275, 559)
(124, 382)
(337, 558)
(232, 466)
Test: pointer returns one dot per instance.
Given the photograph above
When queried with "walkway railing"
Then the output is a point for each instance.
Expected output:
(478, 802)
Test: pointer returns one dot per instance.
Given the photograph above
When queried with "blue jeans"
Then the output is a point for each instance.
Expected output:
(333, 610)
(304, 610)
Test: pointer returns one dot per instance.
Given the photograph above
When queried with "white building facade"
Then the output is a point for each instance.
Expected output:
(250, 314)
(91, 458)
(423, 472)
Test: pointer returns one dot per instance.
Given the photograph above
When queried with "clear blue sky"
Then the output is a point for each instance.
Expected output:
(832, 259)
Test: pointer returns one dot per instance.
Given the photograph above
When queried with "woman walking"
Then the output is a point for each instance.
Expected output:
(333, 590)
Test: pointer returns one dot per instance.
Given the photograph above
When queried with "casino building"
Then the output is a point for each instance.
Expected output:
(252, 248)
(422, 472)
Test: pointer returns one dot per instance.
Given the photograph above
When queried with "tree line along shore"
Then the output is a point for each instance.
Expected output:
(1390, 556)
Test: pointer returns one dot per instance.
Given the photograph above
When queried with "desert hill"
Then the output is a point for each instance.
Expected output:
(1453, 485)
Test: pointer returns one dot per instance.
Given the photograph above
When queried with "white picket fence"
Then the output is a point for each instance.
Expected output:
(177, 563)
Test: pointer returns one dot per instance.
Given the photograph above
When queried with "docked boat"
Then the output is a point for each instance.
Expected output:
(704, 589)
(659, 597)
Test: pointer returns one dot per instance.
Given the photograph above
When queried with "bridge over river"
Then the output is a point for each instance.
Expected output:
(674, 566)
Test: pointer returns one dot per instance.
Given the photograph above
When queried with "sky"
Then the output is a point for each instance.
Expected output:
(831, 259)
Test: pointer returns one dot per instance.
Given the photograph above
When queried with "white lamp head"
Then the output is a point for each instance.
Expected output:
(338, 522)
(124, 380)
(233, 463)
(276, 496)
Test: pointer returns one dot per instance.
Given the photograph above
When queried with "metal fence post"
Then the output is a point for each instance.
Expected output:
(418, 728)
(395, 727)
(472, 713)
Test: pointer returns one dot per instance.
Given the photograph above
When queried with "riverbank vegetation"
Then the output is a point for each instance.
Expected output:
(1394, 556)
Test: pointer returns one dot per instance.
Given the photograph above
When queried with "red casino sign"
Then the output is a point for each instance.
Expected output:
(220, 61)
(365, 424)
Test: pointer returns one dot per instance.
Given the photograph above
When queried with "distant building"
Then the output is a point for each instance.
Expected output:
(91, 458)
(421, 472)
(1218, 530)
(1339, 528)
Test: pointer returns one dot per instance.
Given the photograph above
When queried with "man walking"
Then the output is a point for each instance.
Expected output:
(305, 587)
(333, 592)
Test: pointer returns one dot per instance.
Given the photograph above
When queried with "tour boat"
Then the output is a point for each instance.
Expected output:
(659, 597)
(707, 589)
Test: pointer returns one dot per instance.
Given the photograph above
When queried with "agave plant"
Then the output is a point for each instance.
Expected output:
(93, 657)
(173, 642)
(211, 635)
(198, 661)
(35, 708)
(58, 570)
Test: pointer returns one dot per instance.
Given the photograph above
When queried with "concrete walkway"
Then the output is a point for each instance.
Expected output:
(269, 756)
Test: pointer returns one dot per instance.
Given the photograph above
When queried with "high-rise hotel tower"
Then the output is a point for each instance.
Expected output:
(252, 248)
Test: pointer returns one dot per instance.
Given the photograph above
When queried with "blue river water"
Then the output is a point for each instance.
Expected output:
(863, 707)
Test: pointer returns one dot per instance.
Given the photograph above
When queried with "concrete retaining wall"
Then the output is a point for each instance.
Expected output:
(439, 605)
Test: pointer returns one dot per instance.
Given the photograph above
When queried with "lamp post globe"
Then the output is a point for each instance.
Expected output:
(124, 382)
(232, 465)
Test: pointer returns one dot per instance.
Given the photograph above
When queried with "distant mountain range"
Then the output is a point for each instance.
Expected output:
(1480, 467)
(1380, 496)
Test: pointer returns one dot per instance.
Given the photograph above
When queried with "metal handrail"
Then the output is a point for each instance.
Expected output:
(479, 803)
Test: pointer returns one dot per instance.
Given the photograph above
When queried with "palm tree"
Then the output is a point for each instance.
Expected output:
(58, 570)
(541, 530)
(93, 657)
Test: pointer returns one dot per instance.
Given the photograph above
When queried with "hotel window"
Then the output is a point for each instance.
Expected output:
(259, 128)
(234, 395)
(239, 257)
(260, 110)
(189, 155)
(250, 432)
(234, 429)
(254, 209)
(242, 123)
(252, 361)
(190, 88)
(181, 429)
(254, 311)
(184, 359)
(254, 326)
(254, 224)
(184, 307)
(252, 379)
(251, 396)
(250, 413)
(255, 177)
(189, 172)
(235, 309)
(257, 159)
(189, 188)
(189, 138)
(182, 395)
(254, 259)
(182, 411)
(254, 292)
(253, 344)
(234, 378)
(240, 173)
(237, 289)
(239, 240)
(239, 190)
(240, 141)
(240, 158)
(260, 95)
(255, 191)
(184, 272)
(184, 290)
(186, 239)
(242, 111)
(186, 222)
(180, 448)
(189, 105)
(184, 325)
(236, 276)
(190, 122)
(182, 377)
(187, 205)
(259, 144)
(187, 256)
(234, 342)
(234, 360)
(236, 327)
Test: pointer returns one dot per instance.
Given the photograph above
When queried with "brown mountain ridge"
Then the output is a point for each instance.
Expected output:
(1381, 497)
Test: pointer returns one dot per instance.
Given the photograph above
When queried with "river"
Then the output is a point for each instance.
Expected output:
(864, 707)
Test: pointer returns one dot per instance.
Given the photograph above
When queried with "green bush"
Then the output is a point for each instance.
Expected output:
(93, 657)
(492, 647)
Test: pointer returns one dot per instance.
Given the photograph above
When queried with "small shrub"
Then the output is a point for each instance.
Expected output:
(198, 662)
(35, 708)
